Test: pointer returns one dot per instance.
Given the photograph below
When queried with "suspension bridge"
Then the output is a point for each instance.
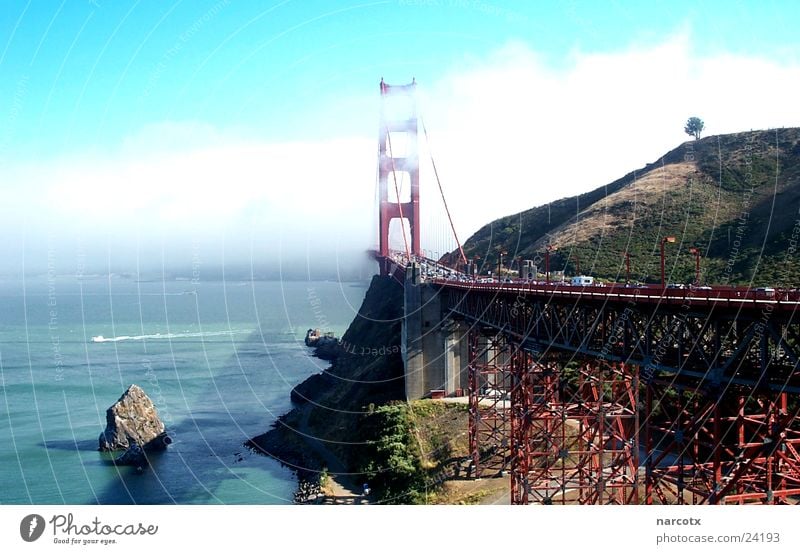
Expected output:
(586, 393)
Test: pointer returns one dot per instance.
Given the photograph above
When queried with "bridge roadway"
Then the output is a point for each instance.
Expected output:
(737, 297)
(722, 336)
(742, 296)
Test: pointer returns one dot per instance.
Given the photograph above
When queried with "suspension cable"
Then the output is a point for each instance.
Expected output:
(441, 191)
(397, 192)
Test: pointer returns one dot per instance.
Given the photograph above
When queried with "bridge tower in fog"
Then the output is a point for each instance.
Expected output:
(398, 167)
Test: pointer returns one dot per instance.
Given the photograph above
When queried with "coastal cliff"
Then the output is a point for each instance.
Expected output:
(323, 429)
(351, 422)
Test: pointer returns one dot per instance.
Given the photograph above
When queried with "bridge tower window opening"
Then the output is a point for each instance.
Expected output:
(399, 103)
(403, 187)
(397, 229)
(400, 147)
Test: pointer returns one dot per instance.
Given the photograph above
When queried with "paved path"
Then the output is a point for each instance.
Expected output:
(341, 487)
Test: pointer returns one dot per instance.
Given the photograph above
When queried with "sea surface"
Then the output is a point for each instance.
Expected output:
(218, 359)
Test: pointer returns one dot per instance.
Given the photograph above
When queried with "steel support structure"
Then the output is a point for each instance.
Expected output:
(719, 346)
(608, 395)
(490, 384)
(574, 442)
(535, 417)
(733, 447)
(718, 424)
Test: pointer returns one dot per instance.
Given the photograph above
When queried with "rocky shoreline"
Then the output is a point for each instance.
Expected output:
(295, 455)
(316, 435)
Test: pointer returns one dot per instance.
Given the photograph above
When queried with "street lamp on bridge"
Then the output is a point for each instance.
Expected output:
(664, 241)
(547, 251)
(500, 262)
(696, 252)
(627, 268)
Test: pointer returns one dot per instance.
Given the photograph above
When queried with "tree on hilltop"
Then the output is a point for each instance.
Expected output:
(694, 127)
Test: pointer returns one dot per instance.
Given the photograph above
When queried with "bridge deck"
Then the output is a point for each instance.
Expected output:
(731, 297)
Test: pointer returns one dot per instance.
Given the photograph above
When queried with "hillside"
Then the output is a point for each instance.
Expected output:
(734, 197)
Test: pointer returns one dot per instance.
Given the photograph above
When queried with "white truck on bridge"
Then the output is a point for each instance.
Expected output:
(582, 281)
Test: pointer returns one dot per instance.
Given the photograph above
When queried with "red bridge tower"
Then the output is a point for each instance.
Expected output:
(400, 128)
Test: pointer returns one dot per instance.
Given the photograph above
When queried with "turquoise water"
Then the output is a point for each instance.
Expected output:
(218, 359)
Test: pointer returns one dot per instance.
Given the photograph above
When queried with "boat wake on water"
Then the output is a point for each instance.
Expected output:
(157, 336)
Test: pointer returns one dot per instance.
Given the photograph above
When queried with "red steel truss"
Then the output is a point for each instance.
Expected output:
(610, 397)
(578, 445)
(490, 383)
(537, 431)
(570, 434)
(734, 448)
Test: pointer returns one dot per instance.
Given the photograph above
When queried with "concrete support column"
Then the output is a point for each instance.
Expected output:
(426, 340)
(433, 346)
(413, 358)
(456, 347)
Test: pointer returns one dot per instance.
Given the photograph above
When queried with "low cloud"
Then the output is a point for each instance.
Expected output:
(182, 187)
(508, 132)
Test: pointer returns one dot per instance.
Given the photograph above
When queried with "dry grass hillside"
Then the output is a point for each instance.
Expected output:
(734, 197)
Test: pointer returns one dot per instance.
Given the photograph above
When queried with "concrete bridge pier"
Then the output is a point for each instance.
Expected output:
(455, 334)
(435, 348)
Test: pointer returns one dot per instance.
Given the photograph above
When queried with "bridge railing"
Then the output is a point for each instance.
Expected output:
(732, 296)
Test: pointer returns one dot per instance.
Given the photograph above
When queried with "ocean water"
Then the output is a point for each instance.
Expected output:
(218, 359)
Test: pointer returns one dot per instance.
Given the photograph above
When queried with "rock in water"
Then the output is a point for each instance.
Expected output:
(133, 456)
(133, 419)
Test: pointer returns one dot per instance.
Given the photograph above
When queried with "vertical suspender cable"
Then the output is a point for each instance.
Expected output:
(441, 191)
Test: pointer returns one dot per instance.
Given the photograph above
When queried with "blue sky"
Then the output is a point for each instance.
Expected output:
(95, 71)
(201, 115)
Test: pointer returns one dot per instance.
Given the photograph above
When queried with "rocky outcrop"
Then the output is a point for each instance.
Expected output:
(326, 346)
(133, 419)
